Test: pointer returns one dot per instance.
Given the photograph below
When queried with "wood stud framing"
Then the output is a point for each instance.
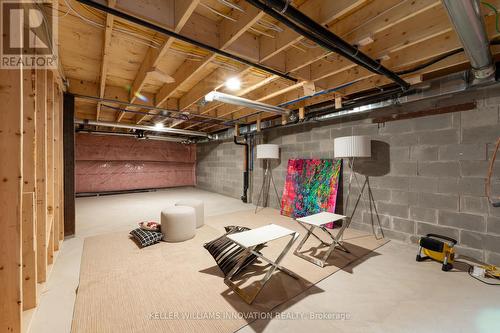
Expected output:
(36, 191)
(30, 188)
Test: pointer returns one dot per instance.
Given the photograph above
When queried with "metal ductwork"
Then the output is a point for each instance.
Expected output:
(439, 88)
(469, 24)
(142, 127)
(146, 137)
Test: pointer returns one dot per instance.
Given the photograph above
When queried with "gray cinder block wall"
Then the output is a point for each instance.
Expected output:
(426, 174)
(219, 168)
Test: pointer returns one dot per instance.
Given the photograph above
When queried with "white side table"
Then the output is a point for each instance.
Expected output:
(251, 239)
(318, 221)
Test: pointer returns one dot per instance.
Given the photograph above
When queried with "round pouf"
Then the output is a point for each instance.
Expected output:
(178, 223)
(198, 207)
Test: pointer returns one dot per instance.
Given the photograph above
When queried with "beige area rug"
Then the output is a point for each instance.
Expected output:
(177, 287)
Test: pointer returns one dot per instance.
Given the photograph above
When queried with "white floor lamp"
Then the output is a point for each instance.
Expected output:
(267, 152)
(351, 147)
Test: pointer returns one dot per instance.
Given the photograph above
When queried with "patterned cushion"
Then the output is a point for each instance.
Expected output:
(227, 253)
(145, 237)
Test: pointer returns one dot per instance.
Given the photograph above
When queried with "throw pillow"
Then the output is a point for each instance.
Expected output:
(145, 237)
(227, 253)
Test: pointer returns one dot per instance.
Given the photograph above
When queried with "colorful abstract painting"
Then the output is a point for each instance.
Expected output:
(311, 187)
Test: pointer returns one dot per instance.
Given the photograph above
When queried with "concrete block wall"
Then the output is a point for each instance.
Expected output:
(426, 174)
(219, 168)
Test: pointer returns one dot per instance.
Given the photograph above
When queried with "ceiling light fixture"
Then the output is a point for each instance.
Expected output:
(235, 100)
(158, 125)
(233, 83)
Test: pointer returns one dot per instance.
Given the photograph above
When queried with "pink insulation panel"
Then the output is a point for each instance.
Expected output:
(114, 163)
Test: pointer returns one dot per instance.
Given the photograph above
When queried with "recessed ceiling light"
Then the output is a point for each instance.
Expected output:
(233, 83)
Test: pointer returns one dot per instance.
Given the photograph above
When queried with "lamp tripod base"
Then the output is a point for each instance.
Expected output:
(267, 180)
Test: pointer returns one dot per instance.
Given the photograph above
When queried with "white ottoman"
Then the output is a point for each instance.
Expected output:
(198, 207)
(178, 223)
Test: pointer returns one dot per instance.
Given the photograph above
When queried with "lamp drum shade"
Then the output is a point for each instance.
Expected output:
(268, 151)
(352, 146)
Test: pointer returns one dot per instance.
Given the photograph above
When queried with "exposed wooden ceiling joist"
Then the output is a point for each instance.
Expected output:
(113, 57)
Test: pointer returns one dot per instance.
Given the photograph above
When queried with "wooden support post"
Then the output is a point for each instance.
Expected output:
(41, 174)
(302, 113)
(259, 122)
(69, 164)
(30, 299)
(11, 151)
(61, 169)
(236, 129)
(50, 241)
(57, 168)
(338, 101)
(50, 166)
(283, 120)
(29, 189)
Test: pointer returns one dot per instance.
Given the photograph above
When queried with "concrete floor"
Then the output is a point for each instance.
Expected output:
(388, 292)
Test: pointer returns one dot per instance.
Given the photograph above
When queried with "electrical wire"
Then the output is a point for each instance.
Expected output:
(303, 42)
(270, 26)
(187, 55)
(471, 268)
(226, 65)
(429, 63)
(139, 39)
(494, 9)
(262, 32)
(216, 12)
(231, 5)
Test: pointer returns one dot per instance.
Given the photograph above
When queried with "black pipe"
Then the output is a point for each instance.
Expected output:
(317, 111)
(167, 32)
(244, 197)
(291, 17)
(163, 114)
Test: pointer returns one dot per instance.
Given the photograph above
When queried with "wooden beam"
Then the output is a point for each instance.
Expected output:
(50, 243)
(57, 166)
(374, 18)
(50, 150)
(425, 113)
(11, 147)
(30, 297)
(69, 164)
(61, 167)
(302, 113)
(108, 31)
(321, 11)
(338, 102)
(388, 41)
(379, 15)
(229, 32)
(41, 174)
(50, 166)
(29, 189)
(183, 10)
(400, 59)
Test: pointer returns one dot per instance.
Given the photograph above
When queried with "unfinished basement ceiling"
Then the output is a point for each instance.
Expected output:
(109, 57)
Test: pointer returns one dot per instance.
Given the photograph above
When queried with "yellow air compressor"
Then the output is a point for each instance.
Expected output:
(438, 248)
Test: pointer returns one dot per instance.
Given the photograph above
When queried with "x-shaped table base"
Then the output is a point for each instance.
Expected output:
(250, 297)
(336, 241)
